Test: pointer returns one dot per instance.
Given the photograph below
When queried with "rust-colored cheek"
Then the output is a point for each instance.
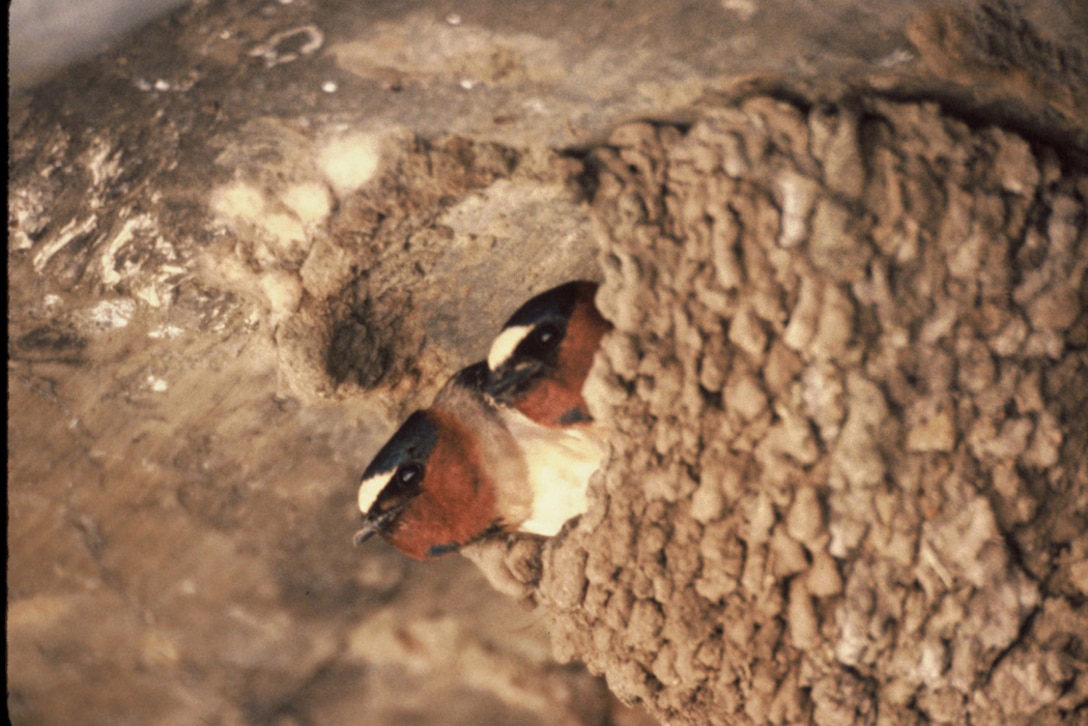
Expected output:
(551, 400)
(557, 402)
(458, 503)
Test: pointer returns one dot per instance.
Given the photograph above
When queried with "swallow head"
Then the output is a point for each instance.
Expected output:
(450, 475)
(394, 478)
(539, 362)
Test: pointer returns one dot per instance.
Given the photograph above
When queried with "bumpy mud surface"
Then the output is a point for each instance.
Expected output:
(848, 380)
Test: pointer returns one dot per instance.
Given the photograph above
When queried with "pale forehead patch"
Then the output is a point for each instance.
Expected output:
(371, 488)
(505, 345)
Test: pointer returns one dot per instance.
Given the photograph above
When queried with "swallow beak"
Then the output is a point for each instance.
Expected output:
(370, 528)
(516, 377)
(374, 523)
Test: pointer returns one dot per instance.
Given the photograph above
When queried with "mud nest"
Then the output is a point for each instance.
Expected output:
(848, 383)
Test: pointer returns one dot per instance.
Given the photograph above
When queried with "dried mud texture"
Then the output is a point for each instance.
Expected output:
(848, 380)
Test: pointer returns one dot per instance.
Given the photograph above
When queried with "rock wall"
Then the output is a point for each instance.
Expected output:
(849, 480)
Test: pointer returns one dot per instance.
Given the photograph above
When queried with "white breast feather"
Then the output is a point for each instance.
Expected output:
(560, 463)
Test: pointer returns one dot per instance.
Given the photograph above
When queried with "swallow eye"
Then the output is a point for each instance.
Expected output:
(409, 475)
(546, 335)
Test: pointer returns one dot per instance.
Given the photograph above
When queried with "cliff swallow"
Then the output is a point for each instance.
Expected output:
(540, 360)
(466, 468)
